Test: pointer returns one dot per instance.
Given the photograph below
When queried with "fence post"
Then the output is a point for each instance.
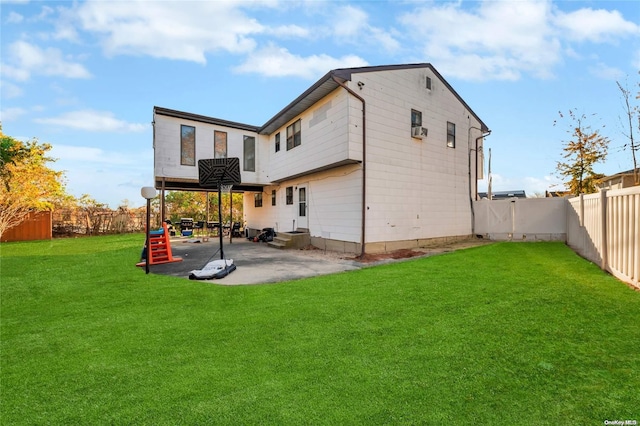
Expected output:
(581, 209)
(603, 230)
(636, 244)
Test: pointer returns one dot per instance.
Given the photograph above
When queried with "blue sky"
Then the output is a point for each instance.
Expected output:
(84, 76)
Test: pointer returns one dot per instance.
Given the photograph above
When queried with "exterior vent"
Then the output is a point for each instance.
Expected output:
(416, 132)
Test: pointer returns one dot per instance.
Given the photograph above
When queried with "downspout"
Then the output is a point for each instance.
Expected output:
(471, 197)
(477, 139)
(364, 163)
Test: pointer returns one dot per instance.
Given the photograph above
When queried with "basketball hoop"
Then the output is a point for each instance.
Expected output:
(220, 173)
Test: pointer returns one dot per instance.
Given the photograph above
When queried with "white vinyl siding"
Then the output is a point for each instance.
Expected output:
(332, 133)
(167, 147)
(418, 190)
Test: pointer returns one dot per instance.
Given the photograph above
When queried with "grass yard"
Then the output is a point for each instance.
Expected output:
(509, 333)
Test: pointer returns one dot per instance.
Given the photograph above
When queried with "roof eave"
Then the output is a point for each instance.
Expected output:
(320, 89)
(326, 85)
(203, 119)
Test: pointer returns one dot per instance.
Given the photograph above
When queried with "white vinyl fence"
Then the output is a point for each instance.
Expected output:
(603, 227)
(522, 219)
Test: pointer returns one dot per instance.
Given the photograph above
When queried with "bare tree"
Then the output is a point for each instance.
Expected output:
(632, 113)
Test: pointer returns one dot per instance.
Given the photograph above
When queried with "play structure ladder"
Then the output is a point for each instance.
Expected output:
(160, 248)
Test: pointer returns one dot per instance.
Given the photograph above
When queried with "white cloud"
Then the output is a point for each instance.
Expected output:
(501, 40)
(274, 61)
(349, 21)
(635, 60)
(9, 90)
(289, 31)
(498, 40)
(385, 40)
(14, 18)
(45, 12)
(11, 114)
(87, 154)
(107, 176)
(172, 30)
(595, 25)
(93, 121)
(351, 24)
(15, 73)
(606, 72)
(26, 59)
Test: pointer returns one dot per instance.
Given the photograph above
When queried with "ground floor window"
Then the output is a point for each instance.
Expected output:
(273, 197)
(289, 195)
(257, 199)
(302, 202)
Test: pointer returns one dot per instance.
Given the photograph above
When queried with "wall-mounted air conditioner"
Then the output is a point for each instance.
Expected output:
(419, 132)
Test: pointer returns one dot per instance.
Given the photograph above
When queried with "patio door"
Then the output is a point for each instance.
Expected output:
(303, 207)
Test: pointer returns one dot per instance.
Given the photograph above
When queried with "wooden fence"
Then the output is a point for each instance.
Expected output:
(71, 222)
(605, 229)
(37, 226)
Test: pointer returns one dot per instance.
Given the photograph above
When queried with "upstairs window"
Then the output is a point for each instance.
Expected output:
(451, 135)
(428, 83)
(416, 125)
(277, 141)
(187, 145)
(416, 118)
(289, 194)
(249, 154)
(219, 144)
(294, 136)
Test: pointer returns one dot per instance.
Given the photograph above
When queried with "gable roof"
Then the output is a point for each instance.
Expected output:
(313, 94)
(327, 84)
(620, 174)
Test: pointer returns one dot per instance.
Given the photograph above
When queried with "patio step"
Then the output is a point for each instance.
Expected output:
(291, 240)
(278, 243)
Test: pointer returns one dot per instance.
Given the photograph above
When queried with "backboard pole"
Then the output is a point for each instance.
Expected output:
(220, 220)
(231, 217)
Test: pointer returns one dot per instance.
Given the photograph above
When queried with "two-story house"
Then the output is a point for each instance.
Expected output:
(368, 160)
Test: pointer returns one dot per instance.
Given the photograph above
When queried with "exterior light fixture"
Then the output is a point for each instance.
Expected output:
(148, 192)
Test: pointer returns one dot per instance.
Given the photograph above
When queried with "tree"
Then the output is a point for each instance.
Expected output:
(93, 213)
(28, 184)
(632, 113)
(585, 148)
(192, 204)
(12, 151)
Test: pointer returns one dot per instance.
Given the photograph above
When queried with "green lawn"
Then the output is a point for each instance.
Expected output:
(509, 333)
